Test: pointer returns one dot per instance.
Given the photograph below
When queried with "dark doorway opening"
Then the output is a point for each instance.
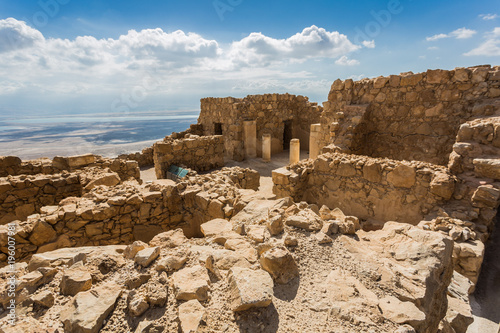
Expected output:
(287, 134)
(218, 129)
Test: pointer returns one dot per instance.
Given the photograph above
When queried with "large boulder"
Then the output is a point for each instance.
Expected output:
(279, 262)
(249, 288)
(88, 310)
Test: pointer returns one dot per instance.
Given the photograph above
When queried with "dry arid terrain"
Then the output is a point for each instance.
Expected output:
(378, 216)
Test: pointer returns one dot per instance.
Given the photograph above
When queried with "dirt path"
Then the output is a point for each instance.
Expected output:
(485, 301)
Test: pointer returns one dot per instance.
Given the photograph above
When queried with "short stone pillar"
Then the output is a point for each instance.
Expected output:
(250, 138)
(294, 151)
(314, 140)
(266, 147)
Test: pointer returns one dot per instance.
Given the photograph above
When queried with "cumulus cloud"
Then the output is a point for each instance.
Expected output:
(369, 44)
(345, 61)
(462, 33)
(490, 47)
(15, 35)
(312, 42)
(488, 17)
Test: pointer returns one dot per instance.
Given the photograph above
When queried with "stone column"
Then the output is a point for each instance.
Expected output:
(294, 151)
(250, 138)
(266, 147)
(314, 140)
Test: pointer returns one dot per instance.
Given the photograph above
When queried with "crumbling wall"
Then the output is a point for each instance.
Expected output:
(14, 166)
(369, 188)
(198, 153)
(21, 196)
(124, 213)
(408, 116)
(271, 111)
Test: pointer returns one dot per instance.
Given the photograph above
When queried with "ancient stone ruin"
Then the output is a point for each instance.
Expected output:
(382, 227)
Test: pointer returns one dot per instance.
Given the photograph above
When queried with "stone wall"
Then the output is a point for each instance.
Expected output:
(369, 188)
(271, 112)
(21, 196)
(200, 153)
(408, 116)
(124, 213)
(14, 166)
(144, 158)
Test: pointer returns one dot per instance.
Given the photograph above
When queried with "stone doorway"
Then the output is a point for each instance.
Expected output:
(287, 134)
(217, 128)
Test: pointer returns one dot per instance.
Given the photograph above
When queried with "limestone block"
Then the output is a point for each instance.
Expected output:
(486, 196)
(42, 233)
(442, 185)
(437, 76)
(191, 314)
(171, 263)
(75, 279)
(133, 248)
(280, 264)
(249, 289)
(45, 298)
(172, 238)
(137, 304)
(489, 168)
(76, 162)
(191, 283)
(401, 312)
(147, 256)
(216, 227)
(402, 176)
(372, 172)
(87, 311)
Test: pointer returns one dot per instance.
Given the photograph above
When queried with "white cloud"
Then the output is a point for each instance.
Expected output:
(369, 44)
(462, 33)
(345, 61)
(312, 42)
(436, 37)
(488, 17)
(433, 48)
(490, 47)
(15, 35)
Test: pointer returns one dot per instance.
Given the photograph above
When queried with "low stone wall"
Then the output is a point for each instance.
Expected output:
(274, 114)
(407, 116)
(124, 213)
(381, 189)
(14, 166)
(144, 158)
(22, 196)
(200, 153)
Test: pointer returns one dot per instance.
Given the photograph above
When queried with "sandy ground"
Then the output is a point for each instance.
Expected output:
(485, 301)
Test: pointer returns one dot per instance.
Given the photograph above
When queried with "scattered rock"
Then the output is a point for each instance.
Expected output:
(45, 298)
(191, 283)
(147, 256)
(87, 311)
(133, 248)
(249, 288)
(137, 304)
(76, 279)
(171, 239)
(280, 264)
(191, 315)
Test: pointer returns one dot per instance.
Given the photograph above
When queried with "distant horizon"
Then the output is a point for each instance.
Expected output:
(82, 57)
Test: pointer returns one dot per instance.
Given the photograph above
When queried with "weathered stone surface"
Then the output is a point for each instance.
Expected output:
(172, 238)
(249, 288)
(191, 314)
(305, 219)
(279, 262)
(489, 168)
(76, 279)
(137, 304)
(443, 185)
(171, 263)
(42, 233)
(216, 227)
(402, 312)
(486, 196)
(45, 298)
(147, 256)
(402, 176)
(191, 283)
(133, 248)
(459, 314)
(87, 311)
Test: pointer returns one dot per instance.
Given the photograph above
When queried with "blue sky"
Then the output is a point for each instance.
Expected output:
(71, 56)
